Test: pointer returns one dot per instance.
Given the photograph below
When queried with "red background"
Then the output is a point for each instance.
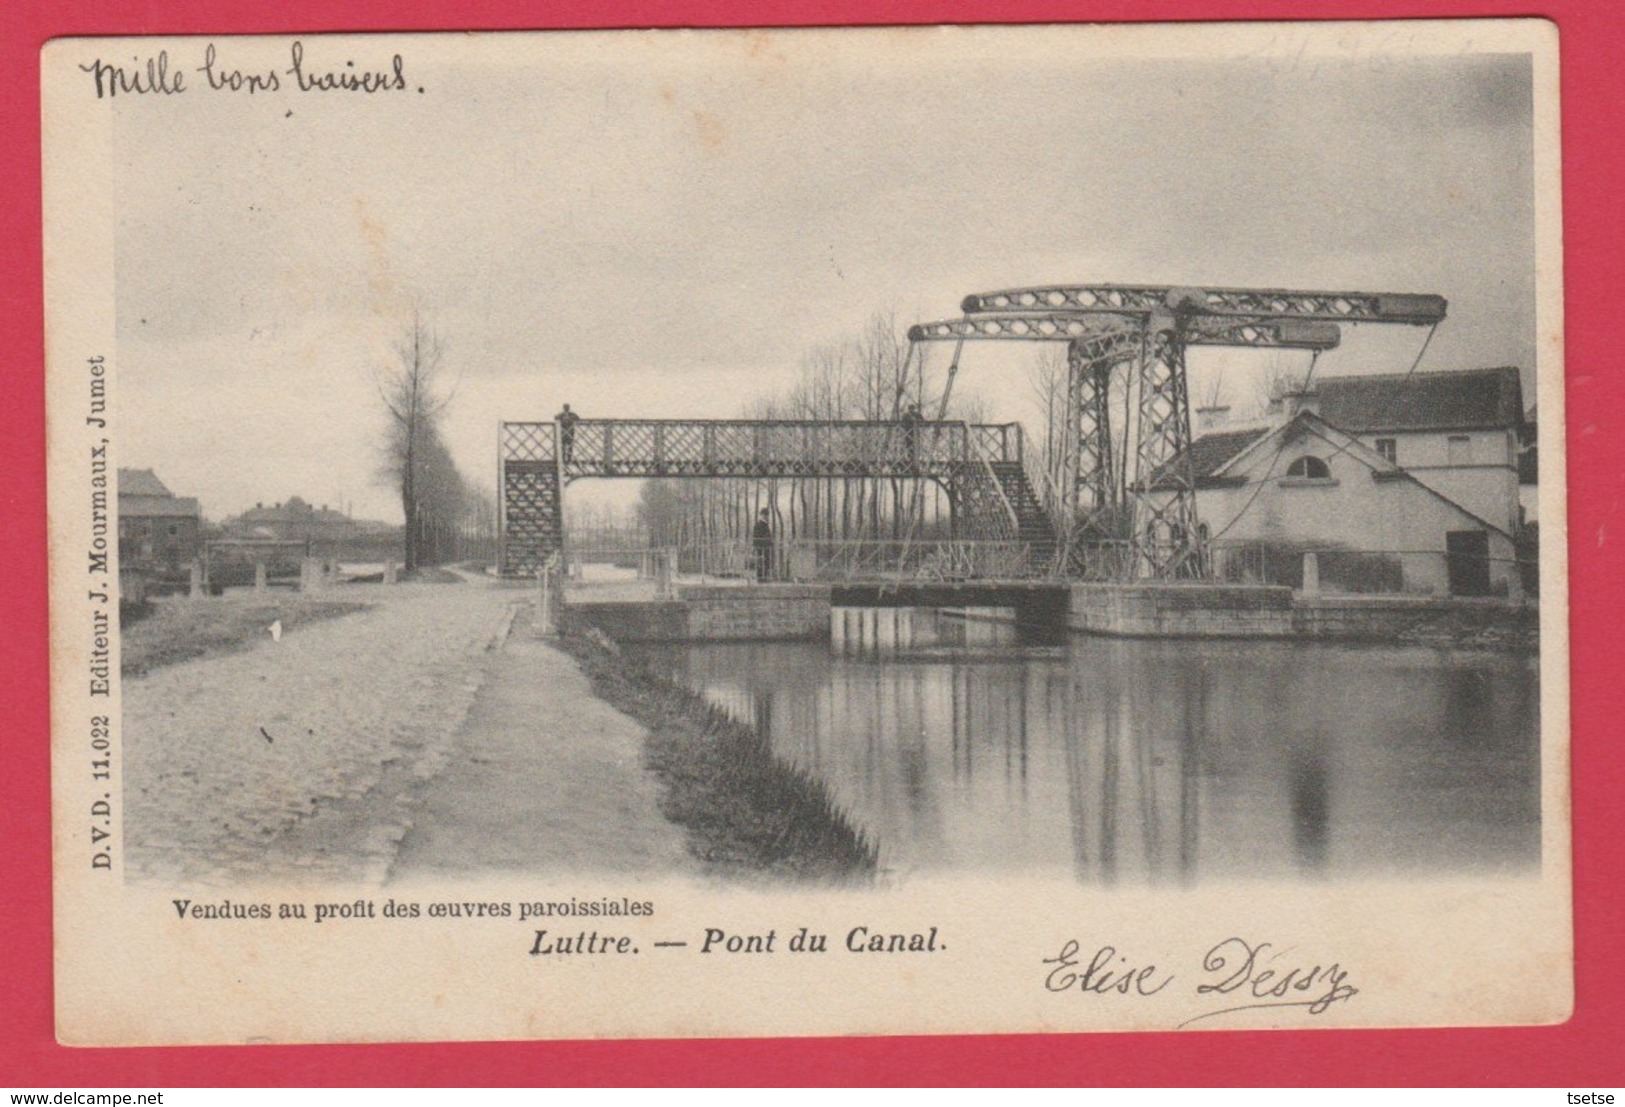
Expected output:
(1587, 1051)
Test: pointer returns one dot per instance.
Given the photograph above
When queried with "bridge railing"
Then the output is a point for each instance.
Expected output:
(643, 562)
(727, 447)
(801, 560)
(996, 441)
(725, 560)
(899, 560)
(1108, 559)
(526, 442)
(730, 447)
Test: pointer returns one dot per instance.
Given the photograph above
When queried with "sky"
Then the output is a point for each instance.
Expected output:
(666, 224)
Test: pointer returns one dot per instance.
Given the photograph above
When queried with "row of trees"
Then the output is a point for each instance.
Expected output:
(871, 376)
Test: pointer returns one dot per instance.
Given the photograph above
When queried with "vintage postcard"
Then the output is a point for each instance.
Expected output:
(807, 532)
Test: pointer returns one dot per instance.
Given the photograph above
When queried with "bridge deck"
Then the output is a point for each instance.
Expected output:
(759, 448)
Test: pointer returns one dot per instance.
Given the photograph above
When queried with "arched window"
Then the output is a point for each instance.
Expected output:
(1311, 467)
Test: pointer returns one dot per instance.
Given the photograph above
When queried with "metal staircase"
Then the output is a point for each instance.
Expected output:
(1033, 527)
(997, 501)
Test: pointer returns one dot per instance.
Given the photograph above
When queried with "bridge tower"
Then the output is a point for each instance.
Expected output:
(530, 498)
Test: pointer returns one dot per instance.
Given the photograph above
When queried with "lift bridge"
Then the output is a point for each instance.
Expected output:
(1125, 505)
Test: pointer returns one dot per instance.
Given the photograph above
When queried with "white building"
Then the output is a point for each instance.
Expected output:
(1456, 432)
(1419, 495)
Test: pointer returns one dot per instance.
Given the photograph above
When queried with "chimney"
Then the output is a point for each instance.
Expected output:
(1212, 418)
(1296, 402)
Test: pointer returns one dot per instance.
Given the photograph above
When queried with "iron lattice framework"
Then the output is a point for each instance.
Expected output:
(1165, 534)
(537, 460)
(1251, 303)
(772, 448)
(1148, 503)
(530, 519)
(1087, 444)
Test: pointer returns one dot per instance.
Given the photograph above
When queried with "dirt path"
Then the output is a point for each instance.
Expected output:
(546, 779)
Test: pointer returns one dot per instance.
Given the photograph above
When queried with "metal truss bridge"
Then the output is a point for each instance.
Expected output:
(979, 465)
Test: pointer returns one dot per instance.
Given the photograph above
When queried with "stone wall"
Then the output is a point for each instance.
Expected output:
(1412, 620)
(802, 611)
(762, 612)
(715, 613)
(1259, 611)
(1182, 610)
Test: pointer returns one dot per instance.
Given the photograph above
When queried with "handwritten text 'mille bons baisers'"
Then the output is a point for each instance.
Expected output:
(161, 75)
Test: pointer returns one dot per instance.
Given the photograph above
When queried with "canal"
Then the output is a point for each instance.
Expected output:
(959, 745)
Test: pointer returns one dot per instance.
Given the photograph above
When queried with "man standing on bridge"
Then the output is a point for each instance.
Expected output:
(761, 545)
(567, 421)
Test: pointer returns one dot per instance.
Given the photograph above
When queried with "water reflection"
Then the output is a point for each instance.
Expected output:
(958, 746)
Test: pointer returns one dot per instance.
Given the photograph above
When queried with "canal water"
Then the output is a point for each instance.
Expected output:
(959, 745)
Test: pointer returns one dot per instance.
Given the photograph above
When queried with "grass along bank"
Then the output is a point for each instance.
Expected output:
(745, 811)
(180, 628)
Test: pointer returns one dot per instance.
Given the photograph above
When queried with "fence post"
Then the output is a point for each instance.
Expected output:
(390, 572)
(259, 575)
(194, 585)
(665, 567)
(544, 598)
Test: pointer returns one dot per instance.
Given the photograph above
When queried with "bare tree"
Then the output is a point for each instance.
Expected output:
(872, 376)
(1213, 393)
(414, 396)
(1048, 379)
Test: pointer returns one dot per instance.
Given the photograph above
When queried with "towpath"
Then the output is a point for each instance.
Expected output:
(548, 780)
(415, 739)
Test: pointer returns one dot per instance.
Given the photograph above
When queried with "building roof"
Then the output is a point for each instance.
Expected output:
(1210, 453)
(1470, 399)
(295, 510)
(1214, 450)
(142, 495)
(164, 507)
(140, 482)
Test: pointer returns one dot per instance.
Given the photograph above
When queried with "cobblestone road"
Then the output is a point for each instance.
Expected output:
(303, 759)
